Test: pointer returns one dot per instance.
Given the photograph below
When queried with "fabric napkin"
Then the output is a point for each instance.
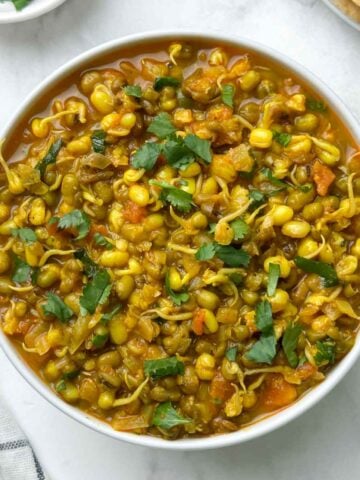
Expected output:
(17, 458)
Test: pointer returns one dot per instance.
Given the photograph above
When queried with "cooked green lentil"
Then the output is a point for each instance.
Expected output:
(179, 240)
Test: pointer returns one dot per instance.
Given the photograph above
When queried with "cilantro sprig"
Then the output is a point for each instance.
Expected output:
(26, 235)
(163, 367)
(231, 256)
(282, 138)
(56, 306)
(289, 343)
(227, 94)
(273, 278)
(264, 350)
(161, 82)
(95, 292)
(175, 196)
(161, 126)
(50, 157)
(326, 271)
(166, 417)
(98, 141)
(75, 219)
(177, 297)
(326, 350)
(22, 271)
(133, 91)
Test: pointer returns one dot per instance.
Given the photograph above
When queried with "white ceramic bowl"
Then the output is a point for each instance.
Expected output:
(272, 422)
(8, 13)
(341, 14)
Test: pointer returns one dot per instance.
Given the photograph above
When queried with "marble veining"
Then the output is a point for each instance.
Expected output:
(323, 443)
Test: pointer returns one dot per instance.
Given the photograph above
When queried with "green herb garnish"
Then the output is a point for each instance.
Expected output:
(90, 267)
(324, 270)
(175, 196)
(161, 82)
(146, 156)
(275, 181)
(20, 4)
(240, 229)
(273, 278)
(56, 306)
(165, 416)
(227, 94)
(105, 319)
(99, 340)
(133, 91)
(21, 270)
(326, 350)
(50, 157)
(26, 235)
(98, 141)
(100, 240)
(199, 146)
(289, 343)
(231, 353)
(231, 256)
(264, 350)
(75, 219)
(282, 138)
(161, 126)
(95, 292)
(177, 297)
(315, 105)
(163, 367)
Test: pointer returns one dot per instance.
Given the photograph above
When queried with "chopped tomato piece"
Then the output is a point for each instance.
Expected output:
(97, 229)
(278, 392)
(198, 322)
(220, 388)
(323, 177)
(133, 213)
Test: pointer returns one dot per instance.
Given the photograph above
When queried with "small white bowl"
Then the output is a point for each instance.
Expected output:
(273, 421)
(342, 14)
(8, 13)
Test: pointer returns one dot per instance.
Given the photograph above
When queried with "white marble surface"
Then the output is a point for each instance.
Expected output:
(323, 443)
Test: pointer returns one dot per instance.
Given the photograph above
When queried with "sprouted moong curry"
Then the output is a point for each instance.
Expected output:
(179, 251)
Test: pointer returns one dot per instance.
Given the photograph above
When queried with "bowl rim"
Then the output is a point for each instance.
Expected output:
(271, 422)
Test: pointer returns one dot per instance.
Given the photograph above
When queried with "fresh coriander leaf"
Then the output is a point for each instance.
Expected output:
(325, 351)
(236, 278)
(56, 306)
(273, 278)
(21, 270)
(231, 353)
(163, 367)
(175, 196)
(161, 82)
(305, 188)
(161, 126)
(227, 94)
(177, 154)
(98, 141)
(264, 350)
(302, 360)
(275, 181)
(96, 292)
(315, 105)
(289, 343)
(50, 157)
(133, 91)
(165, 416)
(206, 252)
(60, 386)
(282, 138)
(177, 297)
(90, 267)
(240, 229)
(146, 156)
(324, 270)
(105, 319)
(99, 340)
(26, 235)
(258, 198)
(34, 275)
(263, 317)
(233, 257)
(20, 4)
(70, 375)
(100, 240)
(212, 227)
(76, 219)
(199, 146)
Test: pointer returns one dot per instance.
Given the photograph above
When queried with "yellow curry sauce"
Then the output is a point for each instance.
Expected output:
(178, 231)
